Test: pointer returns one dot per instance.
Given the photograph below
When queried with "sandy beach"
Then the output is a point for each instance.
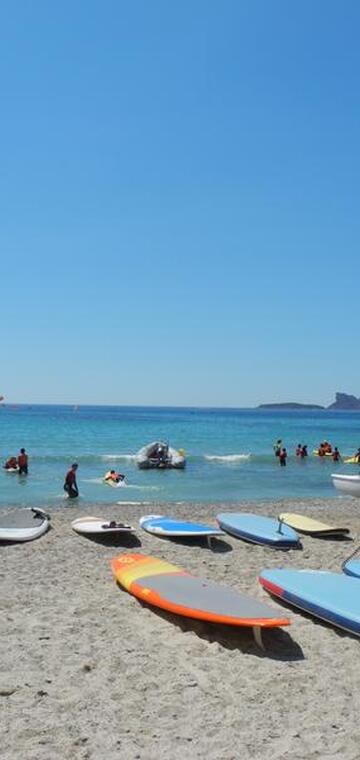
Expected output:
(87, 672)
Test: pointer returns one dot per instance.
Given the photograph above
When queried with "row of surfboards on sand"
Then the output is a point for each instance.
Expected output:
(333, 597)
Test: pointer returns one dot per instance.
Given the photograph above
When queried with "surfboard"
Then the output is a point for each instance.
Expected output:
(258, 529)
(171, 588)
(311, 527)
(23, 524)
(327, 454)
(332, 597)
(349, 484)
(113, 484)
(99, 526)
(352, 567)
(351, 460)
(159, 525)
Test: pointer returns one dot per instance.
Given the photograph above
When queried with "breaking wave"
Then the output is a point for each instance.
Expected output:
(114, 457)
(226, 457)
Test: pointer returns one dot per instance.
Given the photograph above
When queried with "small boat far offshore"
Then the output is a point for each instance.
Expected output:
(159, 455)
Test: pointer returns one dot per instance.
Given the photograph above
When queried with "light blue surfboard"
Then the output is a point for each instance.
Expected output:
(352, 567)
(332, 597)
(159, 525)
(258, 529)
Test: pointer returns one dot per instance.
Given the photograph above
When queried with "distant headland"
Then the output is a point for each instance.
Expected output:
(290, 405)
(343, 401)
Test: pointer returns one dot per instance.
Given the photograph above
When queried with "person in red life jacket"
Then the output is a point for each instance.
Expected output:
(336, 456)
(282, 457)
(11, 464)
(298, 450)
(304, 451)
(23, 462)
(70, 485)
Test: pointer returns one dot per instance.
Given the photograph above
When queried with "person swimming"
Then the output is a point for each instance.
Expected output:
(115, 477)
(11, 464)
(299, 449)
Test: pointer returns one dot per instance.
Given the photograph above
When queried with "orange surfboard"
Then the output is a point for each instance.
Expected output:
(167, 586)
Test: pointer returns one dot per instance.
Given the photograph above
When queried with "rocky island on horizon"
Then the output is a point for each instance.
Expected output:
(343, 401)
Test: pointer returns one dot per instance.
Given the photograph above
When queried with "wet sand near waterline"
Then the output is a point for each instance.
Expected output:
(87, 672)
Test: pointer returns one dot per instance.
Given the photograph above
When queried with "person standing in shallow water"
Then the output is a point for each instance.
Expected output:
(23, 462)
(70, 485)
(277, 447)
(282, 457)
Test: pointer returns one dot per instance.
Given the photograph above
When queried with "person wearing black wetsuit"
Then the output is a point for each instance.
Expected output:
(70, 485)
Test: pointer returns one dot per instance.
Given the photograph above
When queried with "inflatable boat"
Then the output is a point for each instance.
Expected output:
(161, 456)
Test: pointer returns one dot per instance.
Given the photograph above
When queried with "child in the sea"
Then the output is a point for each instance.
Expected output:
(336, 455)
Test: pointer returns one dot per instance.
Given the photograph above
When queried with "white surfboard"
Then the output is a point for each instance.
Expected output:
(114, 484)
(99, 526)
(23, 524)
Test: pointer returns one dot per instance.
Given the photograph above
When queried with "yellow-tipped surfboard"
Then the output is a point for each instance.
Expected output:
(167, 586)
(312, 527)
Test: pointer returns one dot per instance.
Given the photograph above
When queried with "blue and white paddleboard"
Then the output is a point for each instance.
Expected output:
(352, 567)
(258, 529)
(159, 525)
(332, 597)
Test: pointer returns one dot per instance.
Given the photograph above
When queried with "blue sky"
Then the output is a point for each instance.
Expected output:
(179, 200)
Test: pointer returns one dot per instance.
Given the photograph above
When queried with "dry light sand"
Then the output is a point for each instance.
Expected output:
(87, 672)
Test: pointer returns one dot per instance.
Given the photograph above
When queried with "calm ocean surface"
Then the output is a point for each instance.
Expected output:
(229, 452)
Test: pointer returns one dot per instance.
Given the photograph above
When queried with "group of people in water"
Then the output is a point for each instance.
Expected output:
(325, 449)
(71, 487)
(20, 464)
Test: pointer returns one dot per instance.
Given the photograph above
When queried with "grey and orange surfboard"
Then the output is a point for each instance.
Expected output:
(170, 588)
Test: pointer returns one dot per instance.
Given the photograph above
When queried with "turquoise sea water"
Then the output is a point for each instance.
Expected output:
(229, 452)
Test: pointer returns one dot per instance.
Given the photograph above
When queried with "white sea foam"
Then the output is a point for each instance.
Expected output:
(143, 488)
(226, 457)
(134, 503)
(110, 457)
(122, 484)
